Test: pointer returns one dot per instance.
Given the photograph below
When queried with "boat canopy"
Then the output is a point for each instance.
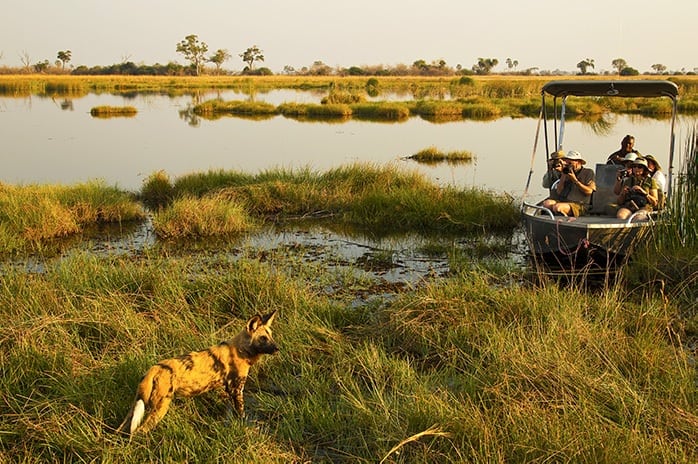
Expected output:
(590, 88)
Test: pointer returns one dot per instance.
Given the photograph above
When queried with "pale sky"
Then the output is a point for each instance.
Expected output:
(547, 34)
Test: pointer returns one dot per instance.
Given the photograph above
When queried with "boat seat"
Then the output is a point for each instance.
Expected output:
(603, 196)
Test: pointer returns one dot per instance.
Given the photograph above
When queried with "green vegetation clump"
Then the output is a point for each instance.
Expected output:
(235, 108)
(384, 111)
(342, 98)
(382, 199)
(329, 110)
(33, 214)
(314, 111)
(434, 155)
(113, 111)
(211, 216)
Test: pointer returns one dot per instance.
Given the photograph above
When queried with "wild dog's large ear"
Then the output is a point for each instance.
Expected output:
(253, 323)
(268, 319)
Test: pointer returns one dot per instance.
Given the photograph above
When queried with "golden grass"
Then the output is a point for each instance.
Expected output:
(201, 217)
(488, 86)
(113, 111)
(35, 213)
(434, 155)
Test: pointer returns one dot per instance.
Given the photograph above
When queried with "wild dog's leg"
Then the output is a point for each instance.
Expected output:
(235, 386)
(159, 401)
(156, 414)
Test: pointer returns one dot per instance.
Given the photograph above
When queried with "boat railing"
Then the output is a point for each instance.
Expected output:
(642, 214)
(540, 208)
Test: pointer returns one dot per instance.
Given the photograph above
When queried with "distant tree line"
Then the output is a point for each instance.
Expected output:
(131, 69)
(195, 52)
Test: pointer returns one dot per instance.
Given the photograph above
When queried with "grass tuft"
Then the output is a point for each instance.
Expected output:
(383, 199)
(113, 111)
(30, 215)
(201, 217)
(434, 155)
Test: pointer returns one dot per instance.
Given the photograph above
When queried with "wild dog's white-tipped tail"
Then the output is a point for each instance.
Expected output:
(137, 418)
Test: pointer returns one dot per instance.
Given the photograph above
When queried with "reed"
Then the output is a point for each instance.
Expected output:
(667, 262)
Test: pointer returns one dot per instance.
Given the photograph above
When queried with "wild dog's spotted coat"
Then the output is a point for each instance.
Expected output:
(224, 365)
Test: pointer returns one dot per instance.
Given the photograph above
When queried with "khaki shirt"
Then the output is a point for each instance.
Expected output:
(585, 176)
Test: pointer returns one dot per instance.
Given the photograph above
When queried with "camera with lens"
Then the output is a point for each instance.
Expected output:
(622, 174)
(566, 169)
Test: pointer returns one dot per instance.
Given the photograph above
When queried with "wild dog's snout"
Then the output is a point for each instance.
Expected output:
(271, 347)
(260, 334)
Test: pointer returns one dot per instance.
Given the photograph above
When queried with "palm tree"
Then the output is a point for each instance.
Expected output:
(64, 56)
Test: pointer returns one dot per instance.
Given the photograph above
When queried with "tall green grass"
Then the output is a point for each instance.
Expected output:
(33, 214)
(201, 217)
(669, 258)
(468, 368)
(382, 199)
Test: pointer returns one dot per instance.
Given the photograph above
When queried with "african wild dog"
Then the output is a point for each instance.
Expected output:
(226, 364)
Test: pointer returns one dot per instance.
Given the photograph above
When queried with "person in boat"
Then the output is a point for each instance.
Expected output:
(657, 174)
(574, 188)
(627, 145)
(639, 192)
(624, 173)
(554, 172)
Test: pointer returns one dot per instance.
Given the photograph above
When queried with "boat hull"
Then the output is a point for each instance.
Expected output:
(577, 239)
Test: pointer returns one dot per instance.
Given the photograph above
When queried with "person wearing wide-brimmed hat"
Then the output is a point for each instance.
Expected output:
(657, 174)
(554, 171)
(639, 191)
(575, 187)
(623, 173)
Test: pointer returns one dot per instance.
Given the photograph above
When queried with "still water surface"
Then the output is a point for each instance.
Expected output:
(56, 140)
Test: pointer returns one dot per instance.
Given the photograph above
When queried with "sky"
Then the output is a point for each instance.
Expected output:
(546, 34)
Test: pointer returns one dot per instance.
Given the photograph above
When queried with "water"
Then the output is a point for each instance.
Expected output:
(56, 140)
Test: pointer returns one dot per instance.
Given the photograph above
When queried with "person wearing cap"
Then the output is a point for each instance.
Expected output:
(575, 187)
(627, 145)
(623, 173)
(554, 171)
(657, 174)
(639, 191)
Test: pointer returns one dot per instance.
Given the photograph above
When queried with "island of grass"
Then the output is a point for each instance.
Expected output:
(113, 111)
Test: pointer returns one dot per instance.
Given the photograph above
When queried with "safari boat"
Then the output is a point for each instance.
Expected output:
(594, 237)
